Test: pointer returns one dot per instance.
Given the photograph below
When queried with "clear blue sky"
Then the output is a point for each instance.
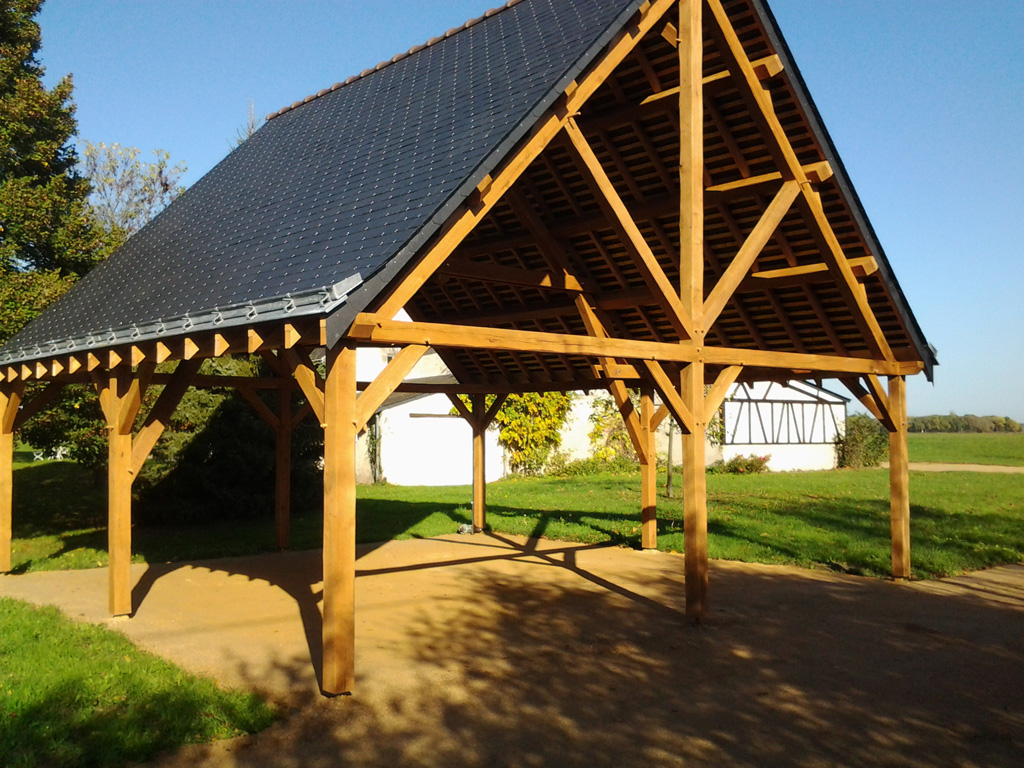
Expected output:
(924, 100)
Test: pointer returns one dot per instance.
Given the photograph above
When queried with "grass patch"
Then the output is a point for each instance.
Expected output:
(80, 695)
(1002, 448)
(837, 520)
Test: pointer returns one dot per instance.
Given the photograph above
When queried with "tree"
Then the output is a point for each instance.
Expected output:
(45, 223)
(127, 193)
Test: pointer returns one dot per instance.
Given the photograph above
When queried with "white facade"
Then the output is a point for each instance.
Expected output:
(796, 424)
(419, 442)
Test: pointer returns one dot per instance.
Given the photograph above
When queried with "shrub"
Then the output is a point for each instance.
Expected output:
(559, 466)
(740, 465)
(865, 443)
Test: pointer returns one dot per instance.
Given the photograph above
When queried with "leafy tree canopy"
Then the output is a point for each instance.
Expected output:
(126, 192)
(45, 221)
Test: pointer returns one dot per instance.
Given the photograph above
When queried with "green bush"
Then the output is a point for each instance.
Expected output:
(740, 465)
(559, 466)
(865, 444)
(216, 460)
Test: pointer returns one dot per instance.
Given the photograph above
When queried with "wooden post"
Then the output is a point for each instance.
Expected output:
(691, 285)
(648, 473)
(116, 399)
(899, 479)
(10, 399)
(283, 469)
(339, 521)
(695, 503)
(479, 470)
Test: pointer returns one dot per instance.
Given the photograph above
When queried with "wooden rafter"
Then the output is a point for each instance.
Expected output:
(740, 266)
(622, 221)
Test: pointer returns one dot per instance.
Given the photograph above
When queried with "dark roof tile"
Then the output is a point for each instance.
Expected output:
(347, 180)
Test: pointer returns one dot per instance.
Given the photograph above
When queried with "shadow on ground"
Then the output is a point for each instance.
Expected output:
(527, 657)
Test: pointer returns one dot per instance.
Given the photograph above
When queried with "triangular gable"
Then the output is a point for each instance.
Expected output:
(568, 176)
(585, 218)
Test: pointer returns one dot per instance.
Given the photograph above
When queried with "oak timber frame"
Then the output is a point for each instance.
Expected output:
(690, 375)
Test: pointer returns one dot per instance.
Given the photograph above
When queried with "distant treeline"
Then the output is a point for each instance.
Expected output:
(969, 423)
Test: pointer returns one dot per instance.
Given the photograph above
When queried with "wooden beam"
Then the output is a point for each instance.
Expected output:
(691, 166)
(766, 68)
(499, 182)
(740, 266)
(391, 332)
(648, 472)
(460, 406)
(339, 521)
(621, 219)
(815, 172)
(479, 468)
(717, 393)
(899, 480)
(36, 404)
(877, 391)
(867, 395)
(695, 509)
(309, 380)
(384, 384)
(805, 274)
(160, 414)
(10, 400)
(845, 279)
(670, 396)
(283, 469)
(659, 416)
(114, 396)
(262, 409)
(495, 273)
(492, 412)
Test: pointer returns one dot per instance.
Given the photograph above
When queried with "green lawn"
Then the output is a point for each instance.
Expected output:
(79, 695)
(1003, 448)
(837, 520)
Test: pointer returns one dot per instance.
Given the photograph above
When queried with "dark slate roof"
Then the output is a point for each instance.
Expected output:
(325, 195)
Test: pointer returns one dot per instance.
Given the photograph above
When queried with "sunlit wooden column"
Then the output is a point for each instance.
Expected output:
(479, 424)
(899, 479)
(283, 469)
(691, 293)
(10, 399)
(120, 402)
(648, 472)
(695, 502)
(339, 521)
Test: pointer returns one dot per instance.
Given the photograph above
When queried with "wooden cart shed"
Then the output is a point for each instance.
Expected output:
(562, 194)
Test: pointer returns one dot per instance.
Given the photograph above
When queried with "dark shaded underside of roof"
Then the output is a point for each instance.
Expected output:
(320, 198)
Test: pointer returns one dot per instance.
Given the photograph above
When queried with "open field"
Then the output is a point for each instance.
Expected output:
(833, 520)
(1006, 449)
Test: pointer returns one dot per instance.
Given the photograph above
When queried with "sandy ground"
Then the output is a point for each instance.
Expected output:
(489, 650)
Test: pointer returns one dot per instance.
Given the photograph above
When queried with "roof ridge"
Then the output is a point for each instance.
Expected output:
(395, 59)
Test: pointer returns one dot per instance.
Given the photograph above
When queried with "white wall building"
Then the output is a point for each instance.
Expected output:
(419, 442)
(795, 424)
